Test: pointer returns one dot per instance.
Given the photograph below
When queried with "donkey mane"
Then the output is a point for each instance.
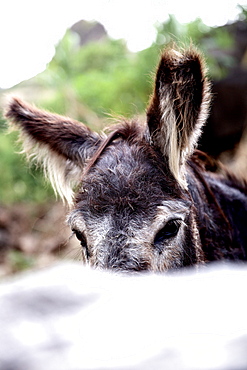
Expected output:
(202, 163)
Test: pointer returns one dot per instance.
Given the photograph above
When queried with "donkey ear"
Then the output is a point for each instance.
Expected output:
(179, 107)
(60, 144)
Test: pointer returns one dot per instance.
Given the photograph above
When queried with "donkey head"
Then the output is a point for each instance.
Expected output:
(132, 210)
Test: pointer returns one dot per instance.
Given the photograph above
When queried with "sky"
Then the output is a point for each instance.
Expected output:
(29, 29)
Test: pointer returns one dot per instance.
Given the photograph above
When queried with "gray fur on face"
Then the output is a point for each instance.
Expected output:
(121, 210)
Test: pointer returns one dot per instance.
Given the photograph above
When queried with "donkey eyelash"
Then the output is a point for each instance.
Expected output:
(83, 241)
(79, 235)
(168, 231)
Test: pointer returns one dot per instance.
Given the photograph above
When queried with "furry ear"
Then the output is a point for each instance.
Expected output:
(60, 144)
(179, 107)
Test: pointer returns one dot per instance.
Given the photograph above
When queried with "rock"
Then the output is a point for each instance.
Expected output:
(71, 317)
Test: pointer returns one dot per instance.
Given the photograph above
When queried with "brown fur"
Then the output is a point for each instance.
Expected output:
(146, 200)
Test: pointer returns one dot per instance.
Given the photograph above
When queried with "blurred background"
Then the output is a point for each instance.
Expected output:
(87, 60)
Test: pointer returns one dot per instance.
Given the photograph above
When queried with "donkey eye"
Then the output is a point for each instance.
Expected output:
(81, 237)
(168, 231)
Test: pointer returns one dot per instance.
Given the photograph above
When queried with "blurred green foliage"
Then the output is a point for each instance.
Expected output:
(104, 77)
(210, 40)
(19, 181)
(90, 82)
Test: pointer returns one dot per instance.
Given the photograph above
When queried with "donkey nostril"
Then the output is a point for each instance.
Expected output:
(127, 264)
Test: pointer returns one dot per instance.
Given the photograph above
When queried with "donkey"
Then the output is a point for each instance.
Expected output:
(145, 198)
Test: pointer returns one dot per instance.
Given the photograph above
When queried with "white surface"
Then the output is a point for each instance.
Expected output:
(70, 317)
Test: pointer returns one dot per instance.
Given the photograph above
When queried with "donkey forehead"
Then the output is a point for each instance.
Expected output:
(127, 181)
(129, 172)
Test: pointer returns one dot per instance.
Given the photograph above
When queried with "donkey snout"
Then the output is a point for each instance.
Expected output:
(123, 256)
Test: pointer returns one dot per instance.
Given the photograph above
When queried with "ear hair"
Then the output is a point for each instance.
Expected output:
(178, 107)
(63, 174)
(59, 144)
